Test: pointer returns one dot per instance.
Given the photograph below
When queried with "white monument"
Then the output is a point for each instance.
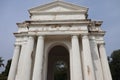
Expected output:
(59, 42)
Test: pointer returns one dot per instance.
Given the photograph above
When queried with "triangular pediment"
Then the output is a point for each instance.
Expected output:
(58, 6)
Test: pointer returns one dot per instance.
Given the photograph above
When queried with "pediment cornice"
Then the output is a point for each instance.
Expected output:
(65, 6)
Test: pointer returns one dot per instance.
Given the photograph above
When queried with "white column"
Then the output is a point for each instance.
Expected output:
(76, 59)
(71, 65)
(87, 59)
(25, 66)
(96, 59)
(20, 62)
(38, 66)
(104, 62)
(27, 59)
(13, 68)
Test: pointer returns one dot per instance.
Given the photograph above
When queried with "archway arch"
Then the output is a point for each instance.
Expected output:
(58, 63)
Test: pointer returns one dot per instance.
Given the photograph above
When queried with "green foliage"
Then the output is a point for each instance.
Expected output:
(4, 74)
(2, 77)
(60, 71)
(1, 62)
(115, 64)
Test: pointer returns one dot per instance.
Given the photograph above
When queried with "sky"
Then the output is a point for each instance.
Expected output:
(14, 11)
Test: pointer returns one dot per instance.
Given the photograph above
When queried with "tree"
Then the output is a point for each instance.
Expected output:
(7, 68)
(1, 62)
(4, 74)
(115, 64)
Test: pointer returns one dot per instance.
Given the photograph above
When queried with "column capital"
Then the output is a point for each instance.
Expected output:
(74, 36)
(92, 37)
(99, 44)
(84, 36)
(31, 36)
(41, 36)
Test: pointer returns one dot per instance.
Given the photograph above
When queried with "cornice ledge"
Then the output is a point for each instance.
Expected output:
(38, 22)
(23, 24)
(17, 34)
(96, 23)
(102, 33)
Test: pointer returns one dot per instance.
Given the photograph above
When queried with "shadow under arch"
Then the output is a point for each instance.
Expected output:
(57, 43)
(58, 63)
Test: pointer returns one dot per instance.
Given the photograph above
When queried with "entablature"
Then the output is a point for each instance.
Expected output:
(60, 25)
(51, 22)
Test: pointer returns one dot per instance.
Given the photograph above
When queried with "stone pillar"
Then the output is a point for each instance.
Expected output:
(88, 69)
(38, 66)
(96, 59)
(14, 64)
(27, 59)
(76, 60)
(25, 65)
(20, 62)
(104, 62)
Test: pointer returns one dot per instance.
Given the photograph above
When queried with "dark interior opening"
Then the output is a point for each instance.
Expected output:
(58, 64)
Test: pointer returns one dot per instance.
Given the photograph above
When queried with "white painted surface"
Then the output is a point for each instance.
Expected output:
(96, 59)
(87, 60)
(76, 59)
(104, 62)
(15, 59)
(38, 66)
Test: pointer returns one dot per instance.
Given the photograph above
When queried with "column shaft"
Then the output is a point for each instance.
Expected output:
(27, 59)
(87, 59)
(14, 64)
(96, 59)
(25, 63)
(104, 62)
(20, 62)
(71, 65)
(38, 66)
(76, 59)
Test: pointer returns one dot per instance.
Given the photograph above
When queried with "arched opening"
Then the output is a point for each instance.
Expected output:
(58, 64)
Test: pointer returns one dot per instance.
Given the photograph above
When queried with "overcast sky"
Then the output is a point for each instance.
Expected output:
(13, 11)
